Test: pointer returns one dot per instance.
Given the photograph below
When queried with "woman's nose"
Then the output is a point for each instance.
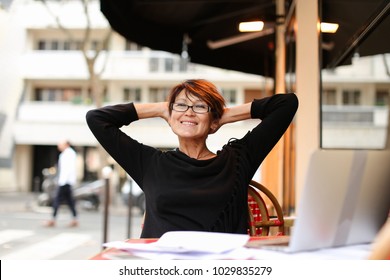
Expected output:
(190, 112)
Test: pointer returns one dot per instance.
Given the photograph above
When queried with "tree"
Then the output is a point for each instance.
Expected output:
(91, 50)
(90, 54)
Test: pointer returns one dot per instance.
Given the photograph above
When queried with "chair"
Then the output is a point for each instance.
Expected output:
(260, 220)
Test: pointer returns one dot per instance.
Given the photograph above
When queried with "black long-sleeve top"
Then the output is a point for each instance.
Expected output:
(183, 193)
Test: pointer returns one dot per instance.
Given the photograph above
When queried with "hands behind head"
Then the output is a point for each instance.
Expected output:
(165, 112)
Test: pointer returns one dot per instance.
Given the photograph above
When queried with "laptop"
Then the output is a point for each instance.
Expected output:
(345, 201)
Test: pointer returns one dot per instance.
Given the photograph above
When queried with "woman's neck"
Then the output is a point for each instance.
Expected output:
(196, 150)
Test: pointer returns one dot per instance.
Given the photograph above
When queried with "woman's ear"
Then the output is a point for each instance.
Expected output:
(214, 126)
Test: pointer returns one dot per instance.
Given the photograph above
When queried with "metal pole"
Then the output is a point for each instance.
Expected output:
(105, 216)
(272, 173)
(106, 175)
(373, 22)
(130, 207)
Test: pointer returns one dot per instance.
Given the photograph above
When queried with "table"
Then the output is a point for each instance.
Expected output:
(111, 253)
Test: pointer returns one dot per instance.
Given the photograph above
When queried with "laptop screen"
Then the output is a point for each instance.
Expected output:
(345, 200)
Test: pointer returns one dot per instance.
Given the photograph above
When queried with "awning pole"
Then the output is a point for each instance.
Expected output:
(272, 170)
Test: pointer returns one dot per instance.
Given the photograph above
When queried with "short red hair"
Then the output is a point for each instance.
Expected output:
(204, 90)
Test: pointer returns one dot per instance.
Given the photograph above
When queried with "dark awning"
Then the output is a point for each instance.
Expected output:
(164, 25)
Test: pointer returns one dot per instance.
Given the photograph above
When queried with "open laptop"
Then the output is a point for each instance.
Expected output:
(345, 200)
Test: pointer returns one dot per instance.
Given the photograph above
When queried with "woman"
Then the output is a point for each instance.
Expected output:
(192, 188)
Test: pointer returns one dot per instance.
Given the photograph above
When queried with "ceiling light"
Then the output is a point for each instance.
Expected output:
(327, 27)
(251, 26)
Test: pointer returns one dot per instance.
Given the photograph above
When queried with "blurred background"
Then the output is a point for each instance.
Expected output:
(61, 58)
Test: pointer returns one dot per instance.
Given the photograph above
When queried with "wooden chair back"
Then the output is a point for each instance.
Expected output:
(260, 219)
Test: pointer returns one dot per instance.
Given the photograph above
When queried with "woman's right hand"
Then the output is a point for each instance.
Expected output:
(153, 110)
(165, 111)
(235, 114)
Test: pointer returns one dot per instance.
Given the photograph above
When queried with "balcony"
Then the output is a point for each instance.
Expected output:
(126, 65)
(44, 123)
(69, 65)
(363, 127)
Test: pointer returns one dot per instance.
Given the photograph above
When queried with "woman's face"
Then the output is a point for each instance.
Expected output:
(189, 124)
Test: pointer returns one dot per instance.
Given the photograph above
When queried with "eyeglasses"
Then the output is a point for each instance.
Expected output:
(197, 108)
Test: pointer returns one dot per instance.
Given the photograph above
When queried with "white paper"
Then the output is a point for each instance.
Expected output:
(189, 245)
(199, 241)
(187, 241)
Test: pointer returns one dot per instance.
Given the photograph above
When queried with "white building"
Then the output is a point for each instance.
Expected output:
(355, 104)
(44, 92)
(46, 89)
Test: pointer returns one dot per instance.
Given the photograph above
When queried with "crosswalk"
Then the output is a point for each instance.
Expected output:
(43, 250)
(12, 234)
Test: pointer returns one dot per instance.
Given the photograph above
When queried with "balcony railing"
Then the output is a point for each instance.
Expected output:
(68, 65)
(376, 116)
(354, 127)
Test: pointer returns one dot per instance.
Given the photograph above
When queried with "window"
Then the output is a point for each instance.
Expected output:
(329, 97)
(158, 94)
(382, 97)
(67, 45)
(47, 94)
(168, 63)
(230, 95)
(41, 45)
(153, 64)
(58, 94)
(132, 94)
(54, 45)
(351, 97)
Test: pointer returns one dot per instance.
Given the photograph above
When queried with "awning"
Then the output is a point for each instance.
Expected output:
(202, 27)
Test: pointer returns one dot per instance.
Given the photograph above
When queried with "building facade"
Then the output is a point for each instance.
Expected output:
(45, 92)
(50, 91)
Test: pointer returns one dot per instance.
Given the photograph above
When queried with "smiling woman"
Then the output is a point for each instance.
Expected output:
(193, 126)
(192, 188)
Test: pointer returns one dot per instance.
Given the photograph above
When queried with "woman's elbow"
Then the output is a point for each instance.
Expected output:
(90, 116)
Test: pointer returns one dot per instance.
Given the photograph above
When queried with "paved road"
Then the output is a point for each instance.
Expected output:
(22, 235)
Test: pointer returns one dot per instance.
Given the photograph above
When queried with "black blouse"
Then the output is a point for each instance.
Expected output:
(183, 193)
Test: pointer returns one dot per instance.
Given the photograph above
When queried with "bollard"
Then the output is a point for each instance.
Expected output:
(106, 172)
(130, 206)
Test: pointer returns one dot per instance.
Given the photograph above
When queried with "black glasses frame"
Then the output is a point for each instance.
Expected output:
(188, 106)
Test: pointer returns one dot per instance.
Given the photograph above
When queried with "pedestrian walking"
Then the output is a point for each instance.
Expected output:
(67, 178)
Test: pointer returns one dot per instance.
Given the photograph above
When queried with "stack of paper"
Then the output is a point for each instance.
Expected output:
(189, 245)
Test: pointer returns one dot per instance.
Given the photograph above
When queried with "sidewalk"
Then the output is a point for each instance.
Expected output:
(26, 202)
(16, 201)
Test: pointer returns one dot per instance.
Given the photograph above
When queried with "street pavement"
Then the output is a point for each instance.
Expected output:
(23, 236)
